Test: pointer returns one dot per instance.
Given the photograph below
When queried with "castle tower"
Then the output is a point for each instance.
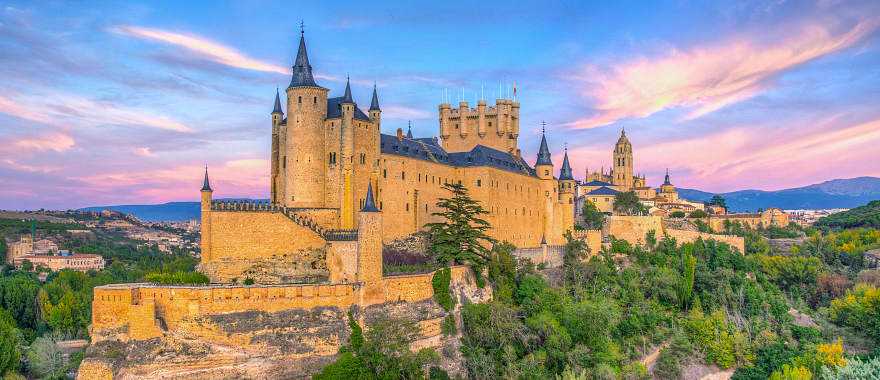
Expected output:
(544, 171)
(566, 191)
(622, 173)
(369, 250)
(375, 111)
(277, 117)
(303, 160)
(205, 240)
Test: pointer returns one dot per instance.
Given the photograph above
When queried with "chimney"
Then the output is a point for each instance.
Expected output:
(399, 134)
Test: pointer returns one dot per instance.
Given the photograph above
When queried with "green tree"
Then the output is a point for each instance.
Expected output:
(688, 272)
(717, 200)
(593, 218)
(19, 296)
(462, 237)
(45, 359)
(628, 203)
(9, 343)
(677, 214)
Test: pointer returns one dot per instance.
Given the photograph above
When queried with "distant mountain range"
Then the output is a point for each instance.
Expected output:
(838, 193)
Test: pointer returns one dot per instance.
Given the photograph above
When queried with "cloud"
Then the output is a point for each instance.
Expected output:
(143, 152)
(403, 112)
(64, 109)
(202, 46)
(58, 142)
(15, 165)
(778, 155)
(704, 79)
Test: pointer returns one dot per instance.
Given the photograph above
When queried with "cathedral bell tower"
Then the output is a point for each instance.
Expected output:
(622, 174)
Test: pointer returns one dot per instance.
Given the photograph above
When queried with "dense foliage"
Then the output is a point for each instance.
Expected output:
(862, 216)
(628, 203)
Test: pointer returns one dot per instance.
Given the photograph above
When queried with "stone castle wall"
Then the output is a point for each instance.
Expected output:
(634, 229)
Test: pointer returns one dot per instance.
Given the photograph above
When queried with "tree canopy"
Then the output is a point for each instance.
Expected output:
(461, 238)
(628, 203)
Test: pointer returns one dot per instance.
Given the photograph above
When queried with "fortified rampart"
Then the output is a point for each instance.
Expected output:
(635, 228)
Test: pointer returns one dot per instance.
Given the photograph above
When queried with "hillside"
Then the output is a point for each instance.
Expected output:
(862, 216)
(837, 193)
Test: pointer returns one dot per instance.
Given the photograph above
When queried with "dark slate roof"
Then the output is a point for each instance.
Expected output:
(429, 149)
(302, 70)
(596, 183)
(346, 96)
(277, 108)
(374, 104)
(666, 180)
(543, 153)
(334, 110)
(603, 191)
(565, 171)
(369, 203)
(206, 186)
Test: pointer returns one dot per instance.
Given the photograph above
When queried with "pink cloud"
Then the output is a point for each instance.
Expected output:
(704, 79)
(65, 109)
(143, 151)
(206, 48)
(58, 142)
(754, 156)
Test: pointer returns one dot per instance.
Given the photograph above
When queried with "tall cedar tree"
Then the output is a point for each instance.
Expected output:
(461, 238)
(628, 203)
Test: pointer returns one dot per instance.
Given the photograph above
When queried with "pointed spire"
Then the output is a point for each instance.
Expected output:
(543, 240)
(543, 151)
(277, 108)
(374, 104)
(623, 139)
(207, 185)
(346, 98)
(369, 203)
(409, 129)
(666, 180)
(302, 70)
(565, 171)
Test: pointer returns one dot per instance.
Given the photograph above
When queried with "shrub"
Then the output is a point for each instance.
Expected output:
(448, 326)
(854, 369)
(698, 214)
(178, 278)
(677, 214)
(9, 342)
(45, 359)
(440, 283)
(859, 309)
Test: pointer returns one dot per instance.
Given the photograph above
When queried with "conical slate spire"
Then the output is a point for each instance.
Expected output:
(207, 185)
(409, 130)
(565, 171)
(346, 98)
(277, 108)
(374, 104)
(302, 70)
(543, 151)
(369, 203)
(666, 180)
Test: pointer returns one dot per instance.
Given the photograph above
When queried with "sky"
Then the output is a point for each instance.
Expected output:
(107, 102)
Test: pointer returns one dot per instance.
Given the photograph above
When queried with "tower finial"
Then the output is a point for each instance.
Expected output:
(302, 28)
(543, 127)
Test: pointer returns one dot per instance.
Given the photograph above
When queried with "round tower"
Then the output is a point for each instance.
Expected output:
(303, 161)
(566, 182)
(544, 164)
(205, 240)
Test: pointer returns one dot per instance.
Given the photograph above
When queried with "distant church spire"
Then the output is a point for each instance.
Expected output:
(565, 171)
(206, 186)
(409, 129)
(666, 180)
(346, 98)
(374, 104)
(369, 203)
(277, 108)
(302, 70)
(543, 151)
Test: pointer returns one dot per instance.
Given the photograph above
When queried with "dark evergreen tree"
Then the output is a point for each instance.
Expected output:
(628, 203)
(593, 218)
(461, 238)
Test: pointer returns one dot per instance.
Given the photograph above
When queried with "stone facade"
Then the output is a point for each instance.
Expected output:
(764, 219)
(635, 228)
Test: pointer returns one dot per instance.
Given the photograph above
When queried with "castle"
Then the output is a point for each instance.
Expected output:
(327, 153)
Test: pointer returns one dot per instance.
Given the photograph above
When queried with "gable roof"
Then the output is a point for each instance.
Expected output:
(604, 190)
(334, 109)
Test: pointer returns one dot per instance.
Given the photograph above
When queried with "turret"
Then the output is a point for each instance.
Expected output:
(445, 129)
(409, 134)
(277, 113)
(566, 181)
(375, 111)
(544, 165)
(205, 241)
(369, 250)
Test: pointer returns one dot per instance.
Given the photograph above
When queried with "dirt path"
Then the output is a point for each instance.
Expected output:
(651, 359)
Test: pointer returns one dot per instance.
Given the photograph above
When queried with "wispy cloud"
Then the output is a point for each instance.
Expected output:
(704, 79)
(202, 46)
(57, 142)
(65, 109)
